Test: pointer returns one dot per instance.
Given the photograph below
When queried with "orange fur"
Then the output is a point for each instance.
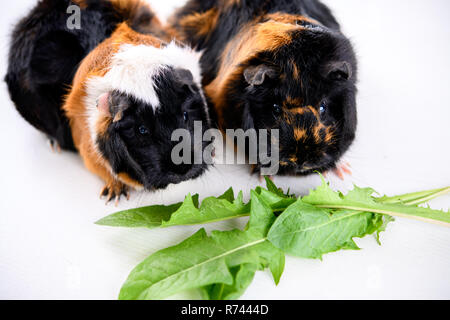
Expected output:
(295, 70)
(229, 3)
(316, 132)
(293, 102)
(253, 39)
(200, 23)
(299, 134)
(290, 18)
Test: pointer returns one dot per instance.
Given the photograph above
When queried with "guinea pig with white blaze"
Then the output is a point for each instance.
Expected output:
(278, 64)
(128, 96)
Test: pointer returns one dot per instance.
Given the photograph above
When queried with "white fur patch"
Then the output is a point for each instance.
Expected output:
(132, 71)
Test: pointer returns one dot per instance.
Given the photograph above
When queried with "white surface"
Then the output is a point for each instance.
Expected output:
(51, 249)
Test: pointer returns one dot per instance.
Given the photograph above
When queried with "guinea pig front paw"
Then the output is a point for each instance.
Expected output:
(115, 190)
(341, 170)
(54, 145)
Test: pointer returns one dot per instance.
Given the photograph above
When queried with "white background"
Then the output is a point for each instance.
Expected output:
(50, 247)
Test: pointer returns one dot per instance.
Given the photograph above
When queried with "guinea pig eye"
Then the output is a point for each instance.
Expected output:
(323, 108)
(277, 109)
(185, 116)
(143, 130)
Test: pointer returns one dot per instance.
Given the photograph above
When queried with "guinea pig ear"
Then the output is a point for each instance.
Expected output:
(184, 76)
(103, 104)
(256, 75)
(118, 103)
(338, 70)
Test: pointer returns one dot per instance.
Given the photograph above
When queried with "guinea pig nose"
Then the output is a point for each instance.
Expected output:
(103, 105)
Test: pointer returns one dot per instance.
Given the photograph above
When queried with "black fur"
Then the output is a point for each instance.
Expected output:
(146, 156)
(328, 75)
(231, 21)
(44, 56)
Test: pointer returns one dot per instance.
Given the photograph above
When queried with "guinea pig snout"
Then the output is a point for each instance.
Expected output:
(183, 169)
(306, 144)
(316, 163)
(180, 169)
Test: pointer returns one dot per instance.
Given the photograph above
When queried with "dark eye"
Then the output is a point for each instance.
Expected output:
(185, 116)
(323, 107)
(277, 109)
(143, 130)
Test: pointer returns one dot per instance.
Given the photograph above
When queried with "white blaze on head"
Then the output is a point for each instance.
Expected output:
(134, 68)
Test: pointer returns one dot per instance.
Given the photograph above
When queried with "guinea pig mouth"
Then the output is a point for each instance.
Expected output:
(320, 167)
(307, 168)
(164, 179)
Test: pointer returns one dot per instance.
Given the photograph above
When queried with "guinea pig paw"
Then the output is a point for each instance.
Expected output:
(54, 145)
(342, 169)
(114, 191)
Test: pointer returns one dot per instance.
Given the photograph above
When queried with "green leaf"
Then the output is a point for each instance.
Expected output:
(202, 261)
(304, 230)
(228, 195)
(185, 213)
(261, 219)
(273, 258)
(188, 212)
(385, 221)
(326, 221)
(145, 217)
(276, 202)
(196, 262)
(273, 188)
(261, 215)
(242, 277)
(360, 199)
(211, 210)
(223, 264)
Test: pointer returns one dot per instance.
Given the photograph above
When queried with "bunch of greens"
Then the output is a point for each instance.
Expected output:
(223, 264)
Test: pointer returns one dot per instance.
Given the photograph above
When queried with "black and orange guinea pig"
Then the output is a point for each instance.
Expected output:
(44, 55)
(127, 97)
(277, 64)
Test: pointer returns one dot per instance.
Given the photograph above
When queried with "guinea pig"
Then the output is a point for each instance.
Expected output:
(127, 98)
(46, 50)
(270, 64)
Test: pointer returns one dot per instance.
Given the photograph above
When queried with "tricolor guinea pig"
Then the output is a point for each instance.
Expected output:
(285, 65)
(128, 96)
(46, 50)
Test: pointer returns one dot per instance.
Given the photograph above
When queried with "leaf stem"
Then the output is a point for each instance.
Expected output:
(386, 212)
(410, 199)
(415, 198)
(430, 197)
